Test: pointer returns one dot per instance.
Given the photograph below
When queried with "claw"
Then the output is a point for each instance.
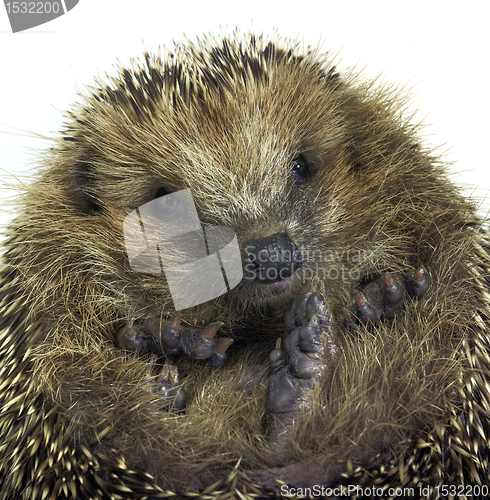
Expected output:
(361, 301)
(417, 283)
(129, 339)
(128, 333)
(367, 312)
(175, 323)
(210, 330)
(388, 281)
(393, 290)
(168, 374)
(222, 345)
(170, 336)
(218, 358)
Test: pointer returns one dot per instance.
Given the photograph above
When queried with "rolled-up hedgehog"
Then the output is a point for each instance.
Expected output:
(353, 353)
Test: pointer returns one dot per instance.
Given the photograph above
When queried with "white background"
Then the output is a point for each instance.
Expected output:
(440, 48)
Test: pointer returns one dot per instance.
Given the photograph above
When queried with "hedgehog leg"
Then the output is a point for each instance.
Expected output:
(312, 350)
(169, 338)
(383, 297)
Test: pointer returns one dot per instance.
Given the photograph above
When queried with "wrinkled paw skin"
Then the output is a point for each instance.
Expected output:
(169, 394)
(170, 338)
(383, 297)
(311, 348)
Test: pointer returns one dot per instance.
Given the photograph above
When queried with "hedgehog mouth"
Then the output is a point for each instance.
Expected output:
(276, 288)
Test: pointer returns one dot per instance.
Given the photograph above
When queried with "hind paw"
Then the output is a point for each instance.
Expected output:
(170, 338)
(168, 393)
(383, 297)
(311, 348)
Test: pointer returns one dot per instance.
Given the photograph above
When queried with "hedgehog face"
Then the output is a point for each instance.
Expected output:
(271, 145)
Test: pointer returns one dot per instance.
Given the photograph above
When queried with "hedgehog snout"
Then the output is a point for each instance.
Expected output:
(271, 259)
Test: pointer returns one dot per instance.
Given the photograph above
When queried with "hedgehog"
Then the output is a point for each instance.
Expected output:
(349, 358)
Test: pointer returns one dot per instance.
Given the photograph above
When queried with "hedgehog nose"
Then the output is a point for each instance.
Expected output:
(271, 259)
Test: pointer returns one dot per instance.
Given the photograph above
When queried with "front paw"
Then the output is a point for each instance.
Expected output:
(383, 297)
(171, 338)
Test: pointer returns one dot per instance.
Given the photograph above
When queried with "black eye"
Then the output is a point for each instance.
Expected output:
(300, 170)
(162, 192)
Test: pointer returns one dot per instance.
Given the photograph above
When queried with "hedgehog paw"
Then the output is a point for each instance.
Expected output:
(169, 394)
(383, 297)
(138, 337)
(311, 348)
(170, 338)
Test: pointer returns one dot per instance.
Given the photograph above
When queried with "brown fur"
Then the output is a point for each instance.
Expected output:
(406, 405)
